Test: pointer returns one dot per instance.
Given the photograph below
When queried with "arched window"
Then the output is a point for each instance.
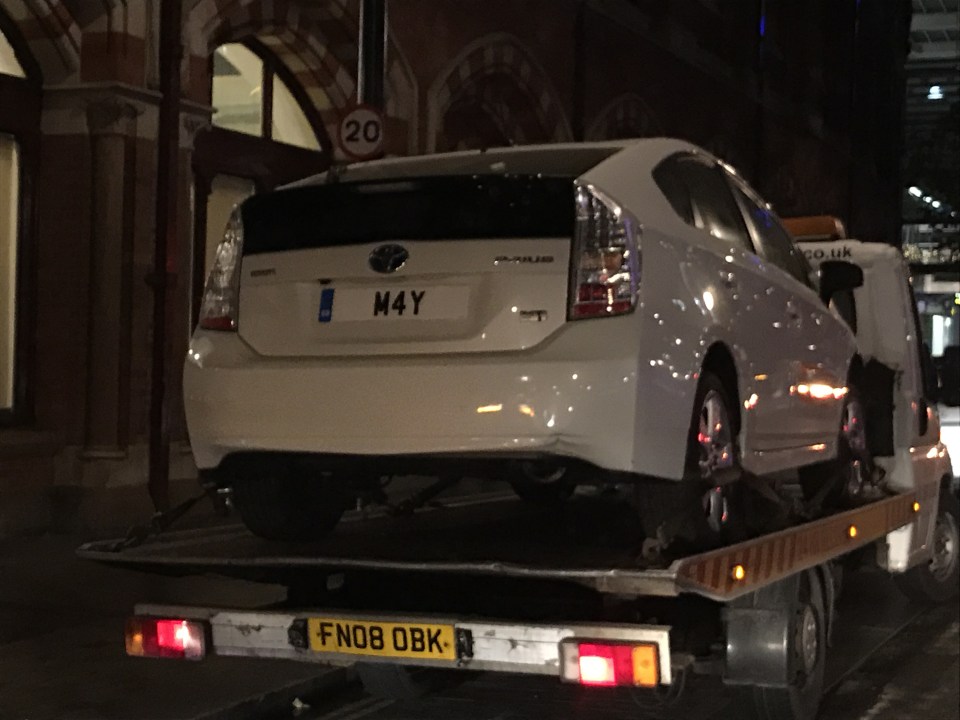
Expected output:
(266, 131)
(17, 108)
(251, 97)
(9, 65)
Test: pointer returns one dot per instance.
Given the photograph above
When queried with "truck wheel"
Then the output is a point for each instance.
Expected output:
(806, 643)
(938, 580)
(285, 501)
(834, 484)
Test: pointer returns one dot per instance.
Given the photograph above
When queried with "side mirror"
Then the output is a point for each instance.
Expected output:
(931, 378)
(837, 275)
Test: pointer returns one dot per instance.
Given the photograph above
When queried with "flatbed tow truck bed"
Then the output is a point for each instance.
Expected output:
(592, 541)
(488, 583)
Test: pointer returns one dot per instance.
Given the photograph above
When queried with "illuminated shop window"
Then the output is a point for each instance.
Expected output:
(242, 105)
(8, 59)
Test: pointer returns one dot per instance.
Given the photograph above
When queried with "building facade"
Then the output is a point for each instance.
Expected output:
(788, 92)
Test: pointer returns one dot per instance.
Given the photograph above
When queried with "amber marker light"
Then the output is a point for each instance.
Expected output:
(852, 531)
(738, 573)
(646, 672)
(916, 506)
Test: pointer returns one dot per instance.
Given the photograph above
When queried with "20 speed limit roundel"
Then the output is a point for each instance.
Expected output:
(361, 133)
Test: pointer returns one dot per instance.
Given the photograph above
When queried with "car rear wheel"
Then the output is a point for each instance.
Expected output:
(542, 483)
(712, 460)
(288, 501)
(704, 510)
(838, 483)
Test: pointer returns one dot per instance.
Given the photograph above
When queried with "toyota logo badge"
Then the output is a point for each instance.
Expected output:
(388, 258)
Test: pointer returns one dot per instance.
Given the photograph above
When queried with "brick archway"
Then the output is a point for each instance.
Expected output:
(317, 42)
(499, 77)
(51, 34)
(627, 115)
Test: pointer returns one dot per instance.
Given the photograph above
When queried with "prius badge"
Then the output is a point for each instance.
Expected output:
(388, 258)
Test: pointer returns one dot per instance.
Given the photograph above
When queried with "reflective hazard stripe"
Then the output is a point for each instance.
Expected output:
(732, 571)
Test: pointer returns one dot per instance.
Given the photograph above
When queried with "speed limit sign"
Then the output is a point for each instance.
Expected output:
(361, 133)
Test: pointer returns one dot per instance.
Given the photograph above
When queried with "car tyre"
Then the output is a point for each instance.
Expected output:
(838, 482)
(705, 509)
(543, 484)
(939, 579)
(712, 459)
(288, 502)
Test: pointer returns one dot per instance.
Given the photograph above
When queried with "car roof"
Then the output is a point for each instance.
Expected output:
(558, 159)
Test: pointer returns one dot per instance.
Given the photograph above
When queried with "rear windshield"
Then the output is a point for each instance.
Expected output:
(431, 208)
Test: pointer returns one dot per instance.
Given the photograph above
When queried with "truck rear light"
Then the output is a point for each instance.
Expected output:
(605, 267)
(166, 638)
(609, 664)
(218, 311)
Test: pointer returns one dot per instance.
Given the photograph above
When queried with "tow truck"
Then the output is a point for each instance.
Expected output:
(485, 582)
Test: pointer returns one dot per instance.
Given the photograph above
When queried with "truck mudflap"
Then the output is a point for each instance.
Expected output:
(638, 654)
(722, 575)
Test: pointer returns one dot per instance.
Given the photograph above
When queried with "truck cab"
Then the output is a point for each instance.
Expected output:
(897, 377)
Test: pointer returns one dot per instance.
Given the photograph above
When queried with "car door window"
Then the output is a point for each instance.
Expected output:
(715, 210)
(774, 242)
(674, 188)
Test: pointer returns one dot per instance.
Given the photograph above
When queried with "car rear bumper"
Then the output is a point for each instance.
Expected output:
(568, 399)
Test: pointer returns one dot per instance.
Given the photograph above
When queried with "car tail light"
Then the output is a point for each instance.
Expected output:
(218, 311)
(605, 269)
(609, 664)
(166, 638)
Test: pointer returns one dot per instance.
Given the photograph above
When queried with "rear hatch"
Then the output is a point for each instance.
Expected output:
(459, 263)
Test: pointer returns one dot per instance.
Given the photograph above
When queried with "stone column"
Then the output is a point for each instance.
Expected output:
(112, 126)
(180, 268)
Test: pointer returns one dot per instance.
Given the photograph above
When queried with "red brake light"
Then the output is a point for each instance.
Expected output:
(166, 637)
(605, 664)
(218, 323)
(609, 664)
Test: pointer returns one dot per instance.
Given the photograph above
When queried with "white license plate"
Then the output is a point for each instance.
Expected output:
(436, 302)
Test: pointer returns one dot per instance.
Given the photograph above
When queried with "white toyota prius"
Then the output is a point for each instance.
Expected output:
(554, 316)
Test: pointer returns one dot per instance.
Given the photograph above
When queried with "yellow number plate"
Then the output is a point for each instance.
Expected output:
(383, 639)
